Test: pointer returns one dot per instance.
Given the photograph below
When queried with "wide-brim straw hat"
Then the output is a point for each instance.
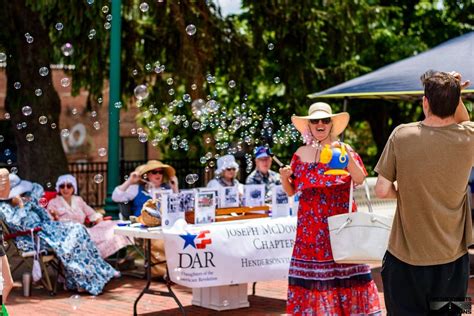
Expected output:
(321, 110)
(156, 164)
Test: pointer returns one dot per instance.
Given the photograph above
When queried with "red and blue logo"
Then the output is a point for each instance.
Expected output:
(197, 241)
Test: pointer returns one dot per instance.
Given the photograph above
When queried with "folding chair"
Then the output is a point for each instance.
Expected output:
(47, 258)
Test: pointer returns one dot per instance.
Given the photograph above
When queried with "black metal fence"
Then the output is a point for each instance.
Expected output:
(92, 176)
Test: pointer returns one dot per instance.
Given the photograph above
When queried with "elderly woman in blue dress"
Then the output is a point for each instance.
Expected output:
(84, 268)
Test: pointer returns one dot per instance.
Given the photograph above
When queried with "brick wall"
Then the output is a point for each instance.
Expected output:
(84, 140)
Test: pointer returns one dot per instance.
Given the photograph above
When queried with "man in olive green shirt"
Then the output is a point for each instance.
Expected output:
(426, 166)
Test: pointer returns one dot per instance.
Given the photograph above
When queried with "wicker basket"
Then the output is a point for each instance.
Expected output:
(146, 217)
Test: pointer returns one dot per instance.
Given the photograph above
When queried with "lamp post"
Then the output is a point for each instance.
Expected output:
(113, 167)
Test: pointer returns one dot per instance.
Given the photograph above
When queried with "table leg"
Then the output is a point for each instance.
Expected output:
(147, 289)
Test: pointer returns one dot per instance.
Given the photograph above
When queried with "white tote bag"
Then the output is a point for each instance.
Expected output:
(359, 237)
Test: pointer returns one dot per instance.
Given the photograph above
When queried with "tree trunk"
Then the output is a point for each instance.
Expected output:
(41, 160)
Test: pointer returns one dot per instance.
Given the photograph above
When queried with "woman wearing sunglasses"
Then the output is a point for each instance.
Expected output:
(138, 186)
(226, 174)
(67, 206)
(318, 285)
(137, 190)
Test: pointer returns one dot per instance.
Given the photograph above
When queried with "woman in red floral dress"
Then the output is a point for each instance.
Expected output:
(318, 285)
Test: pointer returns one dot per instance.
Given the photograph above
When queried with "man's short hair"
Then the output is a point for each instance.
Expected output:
(442, 91)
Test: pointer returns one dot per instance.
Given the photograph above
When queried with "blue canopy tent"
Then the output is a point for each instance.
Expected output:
(401, 80)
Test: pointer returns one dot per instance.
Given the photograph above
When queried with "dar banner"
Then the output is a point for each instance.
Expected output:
(230, 252)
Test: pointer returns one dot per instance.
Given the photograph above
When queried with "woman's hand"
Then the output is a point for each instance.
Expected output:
(286, 172)
(54, 214)
(100, 219)
(174, 184)
(134, 177)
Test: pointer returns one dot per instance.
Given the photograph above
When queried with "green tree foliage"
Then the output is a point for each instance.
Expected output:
(237, 80)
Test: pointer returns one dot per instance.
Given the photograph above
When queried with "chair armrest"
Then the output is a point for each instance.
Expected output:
(21, 233)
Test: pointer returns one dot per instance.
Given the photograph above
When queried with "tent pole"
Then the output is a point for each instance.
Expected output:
(344, 108)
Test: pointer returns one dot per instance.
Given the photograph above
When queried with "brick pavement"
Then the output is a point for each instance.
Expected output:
(120, 294)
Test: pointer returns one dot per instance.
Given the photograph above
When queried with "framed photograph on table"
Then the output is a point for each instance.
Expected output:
(170, 207)
(254, 195)
(205, 206)
(280, 202)
(187, 199)
(229, 197)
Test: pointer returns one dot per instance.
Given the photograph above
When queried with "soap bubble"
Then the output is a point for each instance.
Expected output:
(96, 125)
(59, 26)
(3, 57)
(17, 85)
(43, 71)
(141, 92)
(64, 132)
(190, 179)
(65, 82)
(107, 25)
(191, 29)
(118, 105)
(105, 9)
(98, 178)
(231, 84)
(276, 80)
(187, 98)
(38, 92)
(26, 110)
(67, 49)
(75, 301)
(90, 2)
(144, 7)
(142, 137)
(102, 152)
(43, 120)
(164, 123)
(271, 46)
(30, 137)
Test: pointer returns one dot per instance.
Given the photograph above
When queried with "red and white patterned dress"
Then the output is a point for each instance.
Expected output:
(318, 285)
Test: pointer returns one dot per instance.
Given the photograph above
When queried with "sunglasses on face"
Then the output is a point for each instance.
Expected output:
(157, 172)
(67, 185)
(326, 120)
(230, 169)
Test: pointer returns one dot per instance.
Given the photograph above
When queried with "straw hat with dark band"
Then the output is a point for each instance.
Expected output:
(155, 164)
(321, 110)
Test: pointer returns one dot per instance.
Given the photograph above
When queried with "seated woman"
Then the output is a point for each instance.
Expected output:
(84, 269)
(226, 174)
(68, 206)
(6, 280)
(137, 188)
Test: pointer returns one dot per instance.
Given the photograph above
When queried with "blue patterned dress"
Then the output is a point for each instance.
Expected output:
(83, 266)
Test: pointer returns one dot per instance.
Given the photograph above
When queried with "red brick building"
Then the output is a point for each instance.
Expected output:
(89, 129)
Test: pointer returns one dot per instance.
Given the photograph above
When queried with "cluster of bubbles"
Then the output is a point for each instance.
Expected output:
(191, 178)
(29, 38)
